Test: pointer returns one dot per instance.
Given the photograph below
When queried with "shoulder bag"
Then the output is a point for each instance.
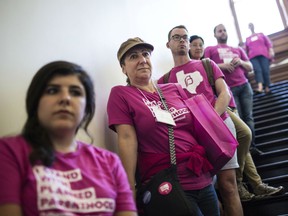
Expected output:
(163, 194)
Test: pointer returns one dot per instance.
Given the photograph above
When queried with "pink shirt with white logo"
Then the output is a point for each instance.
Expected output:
(258, 44)
(90, 181)
(132, 106)
(224, 54)
(194, 80)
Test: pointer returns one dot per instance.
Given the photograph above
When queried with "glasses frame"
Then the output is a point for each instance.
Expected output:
(177, 37)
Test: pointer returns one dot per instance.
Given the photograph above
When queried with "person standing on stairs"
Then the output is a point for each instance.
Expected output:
(235, 65)
(245, 160)
(191, 75)
(260, 52)
(136, 112)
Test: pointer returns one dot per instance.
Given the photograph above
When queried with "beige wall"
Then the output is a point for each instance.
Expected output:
(89, 32)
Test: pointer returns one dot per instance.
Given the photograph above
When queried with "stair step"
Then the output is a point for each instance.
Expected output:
(267, 110)
(276, 181)
(283, 85)
(273, 169)
(263, 99)
(269, 136)
(271, 157)
(280, 83)
(271, 102)
(270, 206)
(271, 114)
(276, 96)
(271, 128)
(275, 87)
(281, 180)
(271, 145)
(271, 121)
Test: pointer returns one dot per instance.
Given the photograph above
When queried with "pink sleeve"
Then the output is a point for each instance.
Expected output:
(10, 175)
(268, 42)
(161, 80)
(125, 199)
(243, 54)
(117, 108)
(217, 71)
(207, 53)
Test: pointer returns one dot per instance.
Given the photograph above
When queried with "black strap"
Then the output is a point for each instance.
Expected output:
(171, 143)
(210, 73)
(166, 77)
(170, 130)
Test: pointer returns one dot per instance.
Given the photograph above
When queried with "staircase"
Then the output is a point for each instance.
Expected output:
(271, 128)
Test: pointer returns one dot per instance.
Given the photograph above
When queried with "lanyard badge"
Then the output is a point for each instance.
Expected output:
(163, 116)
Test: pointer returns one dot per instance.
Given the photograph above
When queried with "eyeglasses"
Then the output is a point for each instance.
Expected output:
(179, 37)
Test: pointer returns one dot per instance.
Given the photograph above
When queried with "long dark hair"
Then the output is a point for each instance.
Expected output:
(33, 132)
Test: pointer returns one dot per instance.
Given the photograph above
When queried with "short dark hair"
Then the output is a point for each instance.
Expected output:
(179, 26)
(214, 30)
(33, 132)
(194, 37)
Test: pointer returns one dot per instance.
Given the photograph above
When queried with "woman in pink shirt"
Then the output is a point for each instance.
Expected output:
(260, 52)
(134, 112)
(45, 170)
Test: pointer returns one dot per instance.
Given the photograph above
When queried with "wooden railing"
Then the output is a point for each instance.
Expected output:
(280, 44)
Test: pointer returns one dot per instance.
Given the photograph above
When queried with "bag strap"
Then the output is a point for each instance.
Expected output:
(181, 91)
(170, 130)
(210, 73)
(171, 142)
(166, 77)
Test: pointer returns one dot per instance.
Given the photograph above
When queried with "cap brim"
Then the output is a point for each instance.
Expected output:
(149, 46)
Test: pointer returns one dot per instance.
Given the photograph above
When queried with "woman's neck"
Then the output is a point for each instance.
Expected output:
(149, 87)
(64, 144)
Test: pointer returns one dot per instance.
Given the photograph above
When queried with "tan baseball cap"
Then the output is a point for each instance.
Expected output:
(130, 43)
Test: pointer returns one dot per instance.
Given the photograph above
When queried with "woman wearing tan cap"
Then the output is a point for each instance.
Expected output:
(137, 114)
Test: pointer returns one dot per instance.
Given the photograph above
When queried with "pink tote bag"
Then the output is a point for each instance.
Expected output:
(212, 133)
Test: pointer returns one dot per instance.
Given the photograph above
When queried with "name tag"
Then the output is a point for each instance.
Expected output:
(163, 116)
(227, 60)
(254, 38)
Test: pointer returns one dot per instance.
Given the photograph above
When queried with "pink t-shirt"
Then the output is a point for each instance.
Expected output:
(90, 181)
(258, 44)
(193, 79)
(132, 106)
(224, 54)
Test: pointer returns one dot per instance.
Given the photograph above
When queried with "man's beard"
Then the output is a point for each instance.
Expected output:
(222, 40)
(182, 52)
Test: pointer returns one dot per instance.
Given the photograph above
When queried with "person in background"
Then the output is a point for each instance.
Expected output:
(235, 65)
(143, 140)
(245, 160)
(45, 170)
(191, 75)
(260, 52)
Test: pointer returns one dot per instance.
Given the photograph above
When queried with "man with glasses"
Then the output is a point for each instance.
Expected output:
(193, 79)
